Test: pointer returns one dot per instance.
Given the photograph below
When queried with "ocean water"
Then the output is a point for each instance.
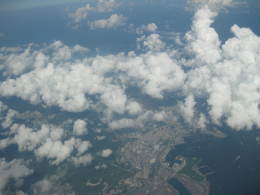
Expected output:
(233, 162)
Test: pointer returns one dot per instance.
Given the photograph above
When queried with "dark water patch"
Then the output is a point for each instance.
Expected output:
(231, 164)
(179, 186)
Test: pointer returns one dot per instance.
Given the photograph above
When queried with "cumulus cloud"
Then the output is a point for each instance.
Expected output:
(48, 141)
(214, 4)
(16, 61)
(141, 120)
(225, 76)
(70, 85)
(106, 153)
(9, 118)
(82, 160)
(152, 42)
(151, 28)
(51, 185)
(226, 73)
(113, 21)
(81, 13)
(101, 6)
(187, 109)
(80, 127)
(14, 170)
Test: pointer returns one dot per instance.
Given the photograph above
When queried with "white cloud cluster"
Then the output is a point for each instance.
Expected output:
(214, 4)
(106, 153)
(51, 185)
(15, 61)
(152, 42)
(150, 28)
(225, 76)
(80, 127)
(113, 21)
(49, 142)
(14, 170)
(141, 120)
(101, 6)
(70, 84)
(81, 13)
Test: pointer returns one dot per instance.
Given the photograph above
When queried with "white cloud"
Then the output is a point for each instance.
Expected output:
(106, 153)
(56, 150)
(187, 109)
(134, 107)
(3, 107)
(113, 21)
(214, 3)
(80, 127)
(82, 146)
(203, 40)
(151, 28)
(9, 118)
(107, 5)
(68, 84)
(152, 42)
(49, 142)
(82, 160)
(14, 170)
(81, 13)
(223, 75)
(227, 74)
(141, 120)
(101, 6)
(51, 185)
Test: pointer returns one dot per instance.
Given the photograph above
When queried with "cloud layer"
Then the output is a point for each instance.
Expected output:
(224, 75)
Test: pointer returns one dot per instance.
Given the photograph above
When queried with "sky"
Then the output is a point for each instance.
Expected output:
(111, 57)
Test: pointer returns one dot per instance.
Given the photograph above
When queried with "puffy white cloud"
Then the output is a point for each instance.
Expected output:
(227, 74)
(82, 160)
(113, 21)
(16, 61)
(203, 40)
(106, 5)
(187, 109)
(152, 42)
(214, 4)
(70, 85)
(80, 127)
(151, 28)
(133, 107)
(51, 185)
(106, 153)
(82, 13)
(3, 107)
(82, 146)
(49, 142)
(141, 120)
(9, 118)
(14, 170)
(28, 139)
(56, 150)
